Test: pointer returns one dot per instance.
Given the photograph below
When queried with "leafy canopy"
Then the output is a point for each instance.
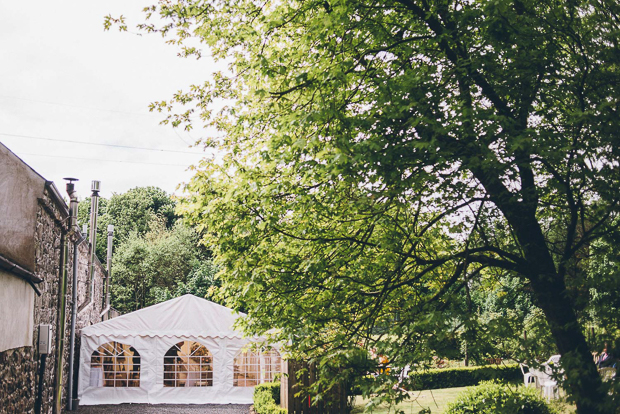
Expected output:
(156, 257)
(160, 265)
(379, 155)
(133, 211)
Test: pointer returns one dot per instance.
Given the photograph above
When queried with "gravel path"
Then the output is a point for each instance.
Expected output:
(165, 408)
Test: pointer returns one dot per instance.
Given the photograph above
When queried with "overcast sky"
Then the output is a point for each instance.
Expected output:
(63, 78)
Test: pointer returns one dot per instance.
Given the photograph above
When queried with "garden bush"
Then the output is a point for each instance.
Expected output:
(494, 398)
(267, 399)
(462, 377)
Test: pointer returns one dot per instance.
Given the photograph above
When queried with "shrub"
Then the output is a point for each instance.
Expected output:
(462, 377)
(267, 398)
(272, 387)
(494, 398)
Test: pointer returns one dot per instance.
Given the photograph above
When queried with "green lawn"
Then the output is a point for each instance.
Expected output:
(436, 400)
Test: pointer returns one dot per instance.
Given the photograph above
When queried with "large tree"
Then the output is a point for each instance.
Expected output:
(135, 211)
(159, 265)
(156, 257)
(380, 154)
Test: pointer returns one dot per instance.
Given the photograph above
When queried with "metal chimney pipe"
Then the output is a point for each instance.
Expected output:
(109, 269)
(92, 238)
(94, 211)
(110, 237)
(73, 203)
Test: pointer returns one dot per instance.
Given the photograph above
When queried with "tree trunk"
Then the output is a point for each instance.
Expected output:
(582, 379)
(583, 382)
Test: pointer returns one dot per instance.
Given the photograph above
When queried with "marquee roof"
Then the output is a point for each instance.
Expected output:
(187, 315)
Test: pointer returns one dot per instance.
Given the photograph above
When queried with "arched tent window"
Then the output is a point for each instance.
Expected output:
(247, 369)
(273, 364)
(252, 368)
(188, 364)
(115, 365)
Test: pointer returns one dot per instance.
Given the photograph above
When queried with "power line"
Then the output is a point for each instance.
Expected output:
(98, 144)
(89, 108)
(178, 136)
(99, 159)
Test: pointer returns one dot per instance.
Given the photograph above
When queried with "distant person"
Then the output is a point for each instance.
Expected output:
(384, 364)
(439, 362)
(605, 359)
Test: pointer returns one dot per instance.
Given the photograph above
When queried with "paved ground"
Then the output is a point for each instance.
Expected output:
(165, 409)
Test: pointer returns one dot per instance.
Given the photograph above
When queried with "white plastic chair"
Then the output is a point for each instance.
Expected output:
(553, 368)
(549, 385)
(404, 374)
(528, 377)
(536, 376)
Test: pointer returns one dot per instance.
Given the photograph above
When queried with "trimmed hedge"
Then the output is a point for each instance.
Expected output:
(462, 377)
(267, 399)
(493, 398)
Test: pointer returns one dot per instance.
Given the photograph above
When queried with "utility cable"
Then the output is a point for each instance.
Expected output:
(90, 109)
(99, 159)
(178, 136)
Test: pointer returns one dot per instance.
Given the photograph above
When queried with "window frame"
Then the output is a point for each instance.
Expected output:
(262, 373)
(108, 357)
(172, 378)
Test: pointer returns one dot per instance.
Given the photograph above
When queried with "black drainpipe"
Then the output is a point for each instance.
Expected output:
(70, 380)
(92, 238)
(62, 294)
(38, 401)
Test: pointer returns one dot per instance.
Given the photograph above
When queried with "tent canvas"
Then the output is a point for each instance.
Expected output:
(152, 332)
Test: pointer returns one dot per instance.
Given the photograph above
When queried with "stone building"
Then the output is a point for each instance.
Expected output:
(37, 243)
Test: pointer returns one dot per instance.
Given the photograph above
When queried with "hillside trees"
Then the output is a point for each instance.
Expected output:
(500, 320)
(133, 211)
(603, 282)
(159, 265)
(378, 155)
(156, 257)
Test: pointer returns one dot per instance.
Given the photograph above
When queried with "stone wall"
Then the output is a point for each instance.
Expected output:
(90, 311)
(20, 368)
(17, 389)
(51, 223)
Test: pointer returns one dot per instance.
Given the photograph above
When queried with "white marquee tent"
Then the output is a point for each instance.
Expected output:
(184, 350)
